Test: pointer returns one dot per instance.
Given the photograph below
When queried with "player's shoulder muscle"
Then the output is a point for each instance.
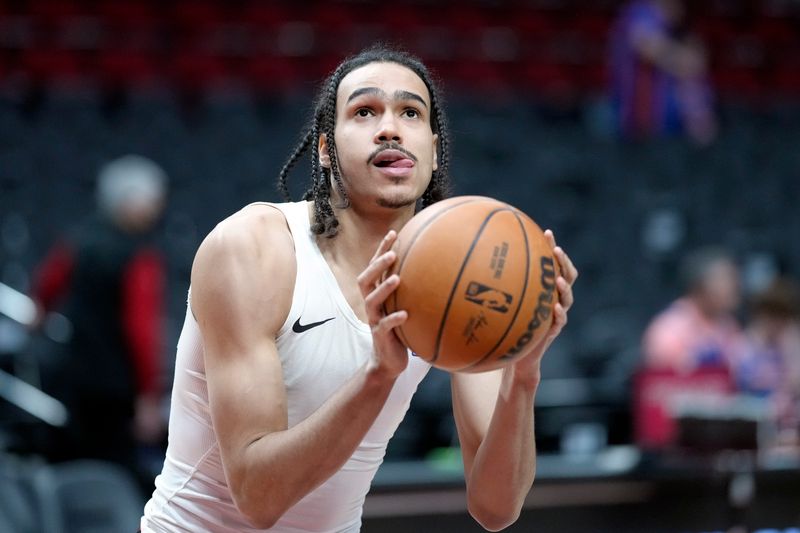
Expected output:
(245, 269)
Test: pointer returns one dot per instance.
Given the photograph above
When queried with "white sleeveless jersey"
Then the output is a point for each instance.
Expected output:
(321, 345)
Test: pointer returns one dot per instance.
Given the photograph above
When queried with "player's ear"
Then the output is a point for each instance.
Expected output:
(324, 156)
(435, 151)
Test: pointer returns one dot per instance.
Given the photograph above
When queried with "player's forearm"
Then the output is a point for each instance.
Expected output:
(280, 468)
(505, 463)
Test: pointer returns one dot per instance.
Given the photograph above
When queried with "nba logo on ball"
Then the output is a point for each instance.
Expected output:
(488, 297)
(477, 278)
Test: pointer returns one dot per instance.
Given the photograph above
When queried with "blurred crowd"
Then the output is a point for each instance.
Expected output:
(701, 333)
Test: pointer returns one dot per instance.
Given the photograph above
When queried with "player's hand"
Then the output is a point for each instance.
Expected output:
(389, 354)
(528, 367)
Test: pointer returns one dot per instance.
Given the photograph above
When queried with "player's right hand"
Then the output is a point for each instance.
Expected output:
(390, 356)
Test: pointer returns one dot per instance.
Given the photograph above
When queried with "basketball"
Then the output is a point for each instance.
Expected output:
(478, 280)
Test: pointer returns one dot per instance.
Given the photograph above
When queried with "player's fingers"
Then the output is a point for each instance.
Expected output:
(374, 300)
(390, 321)
(559, 321)
(565, 295)
(550, 238)
(385, 245)
(568, 269)
(370, 276)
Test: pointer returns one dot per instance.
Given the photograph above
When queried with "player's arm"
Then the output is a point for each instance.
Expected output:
(494, 417)
(242, 284)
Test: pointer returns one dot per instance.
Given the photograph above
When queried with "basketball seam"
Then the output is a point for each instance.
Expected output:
(521, 296)
(458, 279)
(399, 329)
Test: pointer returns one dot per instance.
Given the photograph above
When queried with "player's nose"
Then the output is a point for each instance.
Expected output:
(387, 130)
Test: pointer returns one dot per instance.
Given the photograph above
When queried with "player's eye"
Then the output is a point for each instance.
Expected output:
(363, 112)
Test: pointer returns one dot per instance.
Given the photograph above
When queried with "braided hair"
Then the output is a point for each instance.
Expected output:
(324, 121)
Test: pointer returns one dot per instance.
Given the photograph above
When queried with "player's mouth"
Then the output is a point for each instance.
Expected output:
(394, 162)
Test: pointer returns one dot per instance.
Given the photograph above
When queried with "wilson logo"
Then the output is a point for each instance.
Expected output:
(544, 307)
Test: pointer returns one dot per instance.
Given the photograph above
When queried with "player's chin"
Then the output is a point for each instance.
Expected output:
(397, 199)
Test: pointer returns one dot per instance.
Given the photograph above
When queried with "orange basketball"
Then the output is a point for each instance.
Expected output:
(477, 278)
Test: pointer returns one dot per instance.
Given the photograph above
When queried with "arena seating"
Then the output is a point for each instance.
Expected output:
(535, 46)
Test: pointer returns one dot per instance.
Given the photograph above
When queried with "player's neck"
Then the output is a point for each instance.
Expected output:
(360, 234)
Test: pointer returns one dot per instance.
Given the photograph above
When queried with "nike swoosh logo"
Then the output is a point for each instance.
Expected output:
(297, 327)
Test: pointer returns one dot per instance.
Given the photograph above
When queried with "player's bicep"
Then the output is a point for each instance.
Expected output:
(247, 398)
(241, 292)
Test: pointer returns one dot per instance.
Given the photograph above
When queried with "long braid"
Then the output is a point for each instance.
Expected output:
(329, 125)
(299, 150)
(439, 188)
(337, 178)
(325, 221)
(309, 194)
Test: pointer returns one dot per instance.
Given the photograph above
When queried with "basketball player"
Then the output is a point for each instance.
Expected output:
(289, 378)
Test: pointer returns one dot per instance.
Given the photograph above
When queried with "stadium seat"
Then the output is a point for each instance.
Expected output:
(52, 65)
(87, 496)
(18, 512)
(127, 68)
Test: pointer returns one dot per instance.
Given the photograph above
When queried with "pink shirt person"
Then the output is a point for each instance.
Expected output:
(699, 329)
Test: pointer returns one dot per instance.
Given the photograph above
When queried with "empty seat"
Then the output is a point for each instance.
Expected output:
(88, 496)
(18, 512)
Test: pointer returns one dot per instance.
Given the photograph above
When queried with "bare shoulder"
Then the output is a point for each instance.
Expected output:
(256, 234)
(245, 265)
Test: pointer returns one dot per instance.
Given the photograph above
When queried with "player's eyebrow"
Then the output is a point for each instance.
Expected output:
(408, 95)
(398, 95)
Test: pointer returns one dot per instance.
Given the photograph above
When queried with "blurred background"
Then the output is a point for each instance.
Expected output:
(640, 132)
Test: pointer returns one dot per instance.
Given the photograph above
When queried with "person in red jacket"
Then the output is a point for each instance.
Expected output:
(107, 277)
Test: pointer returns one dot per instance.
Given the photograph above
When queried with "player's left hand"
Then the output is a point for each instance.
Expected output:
(527, 368)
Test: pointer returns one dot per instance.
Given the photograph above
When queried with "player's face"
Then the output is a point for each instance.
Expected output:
(385, 146)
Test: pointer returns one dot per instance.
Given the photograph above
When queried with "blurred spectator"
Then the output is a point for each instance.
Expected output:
(658, 73)
(698, 330)
(689, 349)
(769, 365)
(108, 280)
